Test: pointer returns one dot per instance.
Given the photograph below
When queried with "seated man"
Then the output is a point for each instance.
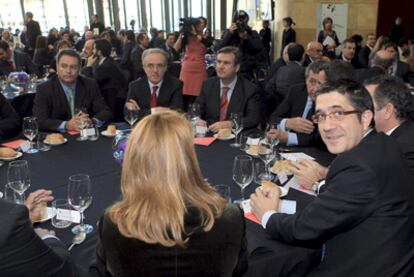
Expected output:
(294, 115)
(394, 112)
(381, 63)
(362, 220)
(156, 89)
(9, 119)
(25, 251)
(348, 53)
(58, 99)
(314, 53)
(228, 93)
(6, 64)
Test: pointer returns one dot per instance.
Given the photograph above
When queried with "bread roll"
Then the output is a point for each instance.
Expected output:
(6, 152)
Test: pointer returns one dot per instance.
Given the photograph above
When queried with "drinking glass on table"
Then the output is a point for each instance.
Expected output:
(236, 127)
(80, 197)
(30, 131)
(266, 153)
(18, 178)
(131, 113)
(82, 116)
(272, 140)
(242, 172)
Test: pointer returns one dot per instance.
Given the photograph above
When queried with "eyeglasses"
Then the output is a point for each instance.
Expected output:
(337, 115)
(154, 66)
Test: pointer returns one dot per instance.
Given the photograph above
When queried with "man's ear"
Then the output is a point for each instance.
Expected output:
(366, 119)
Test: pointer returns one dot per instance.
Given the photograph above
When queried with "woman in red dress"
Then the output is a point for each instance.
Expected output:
(193, 69)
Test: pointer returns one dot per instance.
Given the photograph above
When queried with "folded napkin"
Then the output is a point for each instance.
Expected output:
(73, 133)
(204, 141)
(14, 144)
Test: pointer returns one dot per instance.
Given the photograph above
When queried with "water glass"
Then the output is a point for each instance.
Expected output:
(224, 192)
(80, 197)
(30, 130)
(243, 172)
(18, 178)
(56, 205)
(11, 195)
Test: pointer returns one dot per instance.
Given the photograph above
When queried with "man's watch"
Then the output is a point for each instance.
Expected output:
(315, 186)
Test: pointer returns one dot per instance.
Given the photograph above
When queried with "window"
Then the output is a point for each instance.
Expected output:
(11, 15)
(78, 14)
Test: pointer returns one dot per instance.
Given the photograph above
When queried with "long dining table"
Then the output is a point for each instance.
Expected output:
(51, 170)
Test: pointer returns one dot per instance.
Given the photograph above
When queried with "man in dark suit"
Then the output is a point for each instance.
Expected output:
(168, 47)
(399, 68)
(32, 31)
(363, 54)
(348, 53)
(9, 119)
(381, 63)
(96, 26)
(276, 65)
(136, 56)
(228, 93)
(314, 53)
(394, 112)
(294, 115)
(25, 251)
(363, 219)
(155, 89)
(6, 63)
(291, 74)
(58, 100)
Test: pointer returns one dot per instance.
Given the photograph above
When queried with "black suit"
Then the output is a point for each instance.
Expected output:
(365, 215)
(363, 74)
(404, 135)
(5, 67)
(32, 31)
(363, 56)
(170, 93)
(291, 74)
(405, 73)
(9, 119)
(218, 252)
(293, 106)
(136, 61)
(274, 68)
(51, 106)
(245, 99)
(354, 62)
(23, 253)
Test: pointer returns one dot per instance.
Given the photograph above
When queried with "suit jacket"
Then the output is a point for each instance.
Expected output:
(108, 75)
(365, 215)
(218, 252)
(51, 106)
(170, 93)
(9, 119)
(405, 73)
(404, 136)
(363, 74)
(363, 56)
(354, 62)
(5, 67)
(125, 61)
(244, 99)
(274, 68)
(136, 61)
(32, 31)
(291, 74)
(22, 251)
(293, 106)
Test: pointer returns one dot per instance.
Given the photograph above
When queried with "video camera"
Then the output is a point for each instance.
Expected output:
(238, 18)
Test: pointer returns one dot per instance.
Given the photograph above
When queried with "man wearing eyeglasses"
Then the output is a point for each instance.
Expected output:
(66, 98)
(314, 53)
(294, 114)
(363, 219)
(155, 89)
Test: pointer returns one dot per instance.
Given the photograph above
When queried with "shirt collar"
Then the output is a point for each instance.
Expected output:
(152, 85)
(231, 85)
(389, 132)
(67, 87)
(101, 61)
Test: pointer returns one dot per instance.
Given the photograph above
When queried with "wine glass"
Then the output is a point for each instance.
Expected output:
(243, 172)
(80, 197)
(18, 178)
(83, 123)
(131, 113)
(30, 131)
(272, 140)
(236, 127)
(266, 153)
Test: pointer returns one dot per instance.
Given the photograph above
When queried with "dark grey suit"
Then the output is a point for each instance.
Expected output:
(404, 135)
(9, 119)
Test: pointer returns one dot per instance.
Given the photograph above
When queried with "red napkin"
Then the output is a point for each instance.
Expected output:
(252, 217)
(73, 133)
(14, 144)
(204, 141)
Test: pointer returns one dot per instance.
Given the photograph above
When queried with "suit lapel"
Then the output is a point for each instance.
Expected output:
(236, 98)
(163, 94)
(79, 95)
(215, 95)
(62, 99)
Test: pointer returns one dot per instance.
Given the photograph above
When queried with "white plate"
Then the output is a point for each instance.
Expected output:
(49, 215)
(56, 144)
(19, 154)
(106, 134)
(232, 136)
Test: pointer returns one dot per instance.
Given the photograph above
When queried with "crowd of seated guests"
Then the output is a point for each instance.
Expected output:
(138, 70)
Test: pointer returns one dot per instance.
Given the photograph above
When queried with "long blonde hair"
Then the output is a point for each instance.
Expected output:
(161, 179)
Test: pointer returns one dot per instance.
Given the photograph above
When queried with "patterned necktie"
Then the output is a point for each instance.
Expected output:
(224, 103)
(153, 102)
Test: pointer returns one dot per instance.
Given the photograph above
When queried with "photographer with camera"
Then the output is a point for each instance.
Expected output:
(240, 35)
(195, 43)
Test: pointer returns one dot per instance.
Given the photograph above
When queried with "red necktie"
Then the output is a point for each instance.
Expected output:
(153, 103)
(224, 103)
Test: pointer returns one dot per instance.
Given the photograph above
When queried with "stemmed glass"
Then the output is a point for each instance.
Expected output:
(18, 177)
(80, 197)
(131, 113)
(243, 172)
(272, 140)
(266, 153)
(30, 131)
(82, 122)
(236, 127)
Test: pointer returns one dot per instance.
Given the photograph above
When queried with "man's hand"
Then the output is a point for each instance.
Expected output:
(201, 122)
(72, 124)
(219, 125)
(263, 200)
(92, 60)
(44, 232)
(308, 172)
(300, 125)
(233, 27)
(277, 134)
(34, 201)
(132, 105)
